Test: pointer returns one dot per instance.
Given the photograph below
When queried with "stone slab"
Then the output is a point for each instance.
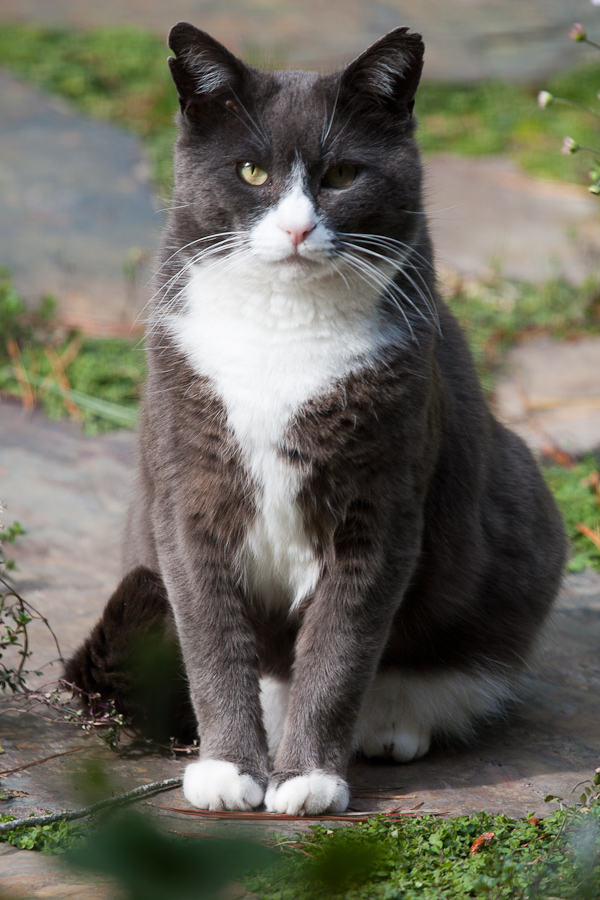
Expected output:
(78, 213)
(488, 216)
(69, 492)
(549, 393)
(25, 875)
(550, 743)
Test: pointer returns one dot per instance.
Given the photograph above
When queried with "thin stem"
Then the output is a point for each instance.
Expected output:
(576, 105)
(130, 796)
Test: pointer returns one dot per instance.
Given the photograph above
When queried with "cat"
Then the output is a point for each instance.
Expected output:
(345, 548)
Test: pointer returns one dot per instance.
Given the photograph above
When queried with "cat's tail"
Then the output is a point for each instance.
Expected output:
(132, 658)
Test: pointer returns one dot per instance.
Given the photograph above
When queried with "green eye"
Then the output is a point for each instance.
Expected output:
(252, 174)
(340, 176)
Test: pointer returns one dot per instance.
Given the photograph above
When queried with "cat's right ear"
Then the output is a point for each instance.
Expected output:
(202, 69)
(386, 76)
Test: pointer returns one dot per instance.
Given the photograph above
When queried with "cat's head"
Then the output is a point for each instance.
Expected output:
(291, 168)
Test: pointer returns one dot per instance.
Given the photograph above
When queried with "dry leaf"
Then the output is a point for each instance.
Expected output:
(480, 841)
(561, 457)
(594, 536)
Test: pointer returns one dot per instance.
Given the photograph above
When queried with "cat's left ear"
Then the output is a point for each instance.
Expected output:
(388, 73)
(203, 69)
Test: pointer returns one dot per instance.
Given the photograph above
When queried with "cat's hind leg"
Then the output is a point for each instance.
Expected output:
(403, 709)
(132, 658)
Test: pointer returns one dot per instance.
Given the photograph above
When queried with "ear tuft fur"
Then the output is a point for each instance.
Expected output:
(389, 71)
(202, 68)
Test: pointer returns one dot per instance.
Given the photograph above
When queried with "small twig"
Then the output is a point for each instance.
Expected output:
(71, 351)
(130, 796)
(361, 818)
(20, 373)
(36, 762)
(593, 536)
(574, 103)
(58, 369)
(25, 604)
(535, 404)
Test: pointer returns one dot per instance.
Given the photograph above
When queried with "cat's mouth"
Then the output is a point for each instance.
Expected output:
(296, 266)
(301, 260)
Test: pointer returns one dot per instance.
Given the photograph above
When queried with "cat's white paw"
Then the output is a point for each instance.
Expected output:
(217, 784)
(401, 743)
(308, 795)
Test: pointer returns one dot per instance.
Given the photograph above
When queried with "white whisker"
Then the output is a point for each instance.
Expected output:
(335, 103)
(378, 281)
(257, 129)
(425, 295)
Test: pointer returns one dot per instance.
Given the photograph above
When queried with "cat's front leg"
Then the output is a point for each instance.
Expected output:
(220, 655)
(337, 652)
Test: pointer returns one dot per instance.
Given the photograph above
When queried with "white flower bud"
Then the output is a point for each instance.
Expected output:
(545, 97)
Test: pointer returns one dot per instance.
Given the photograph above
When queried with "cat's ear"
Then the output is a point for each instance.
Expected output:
(203, 69)
(388, 73)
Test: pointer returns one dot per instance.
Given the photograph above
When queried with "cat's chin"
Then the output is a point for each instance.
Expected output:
(296, 268)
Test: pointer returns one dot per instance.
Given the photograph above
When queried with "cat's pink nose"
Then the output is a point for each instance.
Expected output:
(298, 235)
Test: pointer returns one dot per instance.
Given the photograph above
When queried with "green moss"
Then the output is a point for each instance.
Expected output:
(578, 498)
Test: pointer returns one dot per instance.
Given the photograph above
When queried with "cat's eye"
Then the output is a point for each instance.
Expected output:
(340, 176)
(252, 174)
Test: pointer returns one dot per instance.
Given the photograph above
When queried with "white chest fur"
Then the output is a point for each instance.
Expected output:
(271, 338)
(268, 349)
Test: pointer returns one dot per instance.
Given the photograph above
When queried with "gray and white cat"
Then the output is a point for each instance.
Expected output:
(353, 553)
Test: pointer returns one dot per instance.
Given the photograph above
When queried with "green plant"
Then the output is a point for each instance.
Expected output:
(435, 859)
(15, 616)
(571, 146)
(577, 493)
(95, 381)
(151, 865)
(54, 838)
